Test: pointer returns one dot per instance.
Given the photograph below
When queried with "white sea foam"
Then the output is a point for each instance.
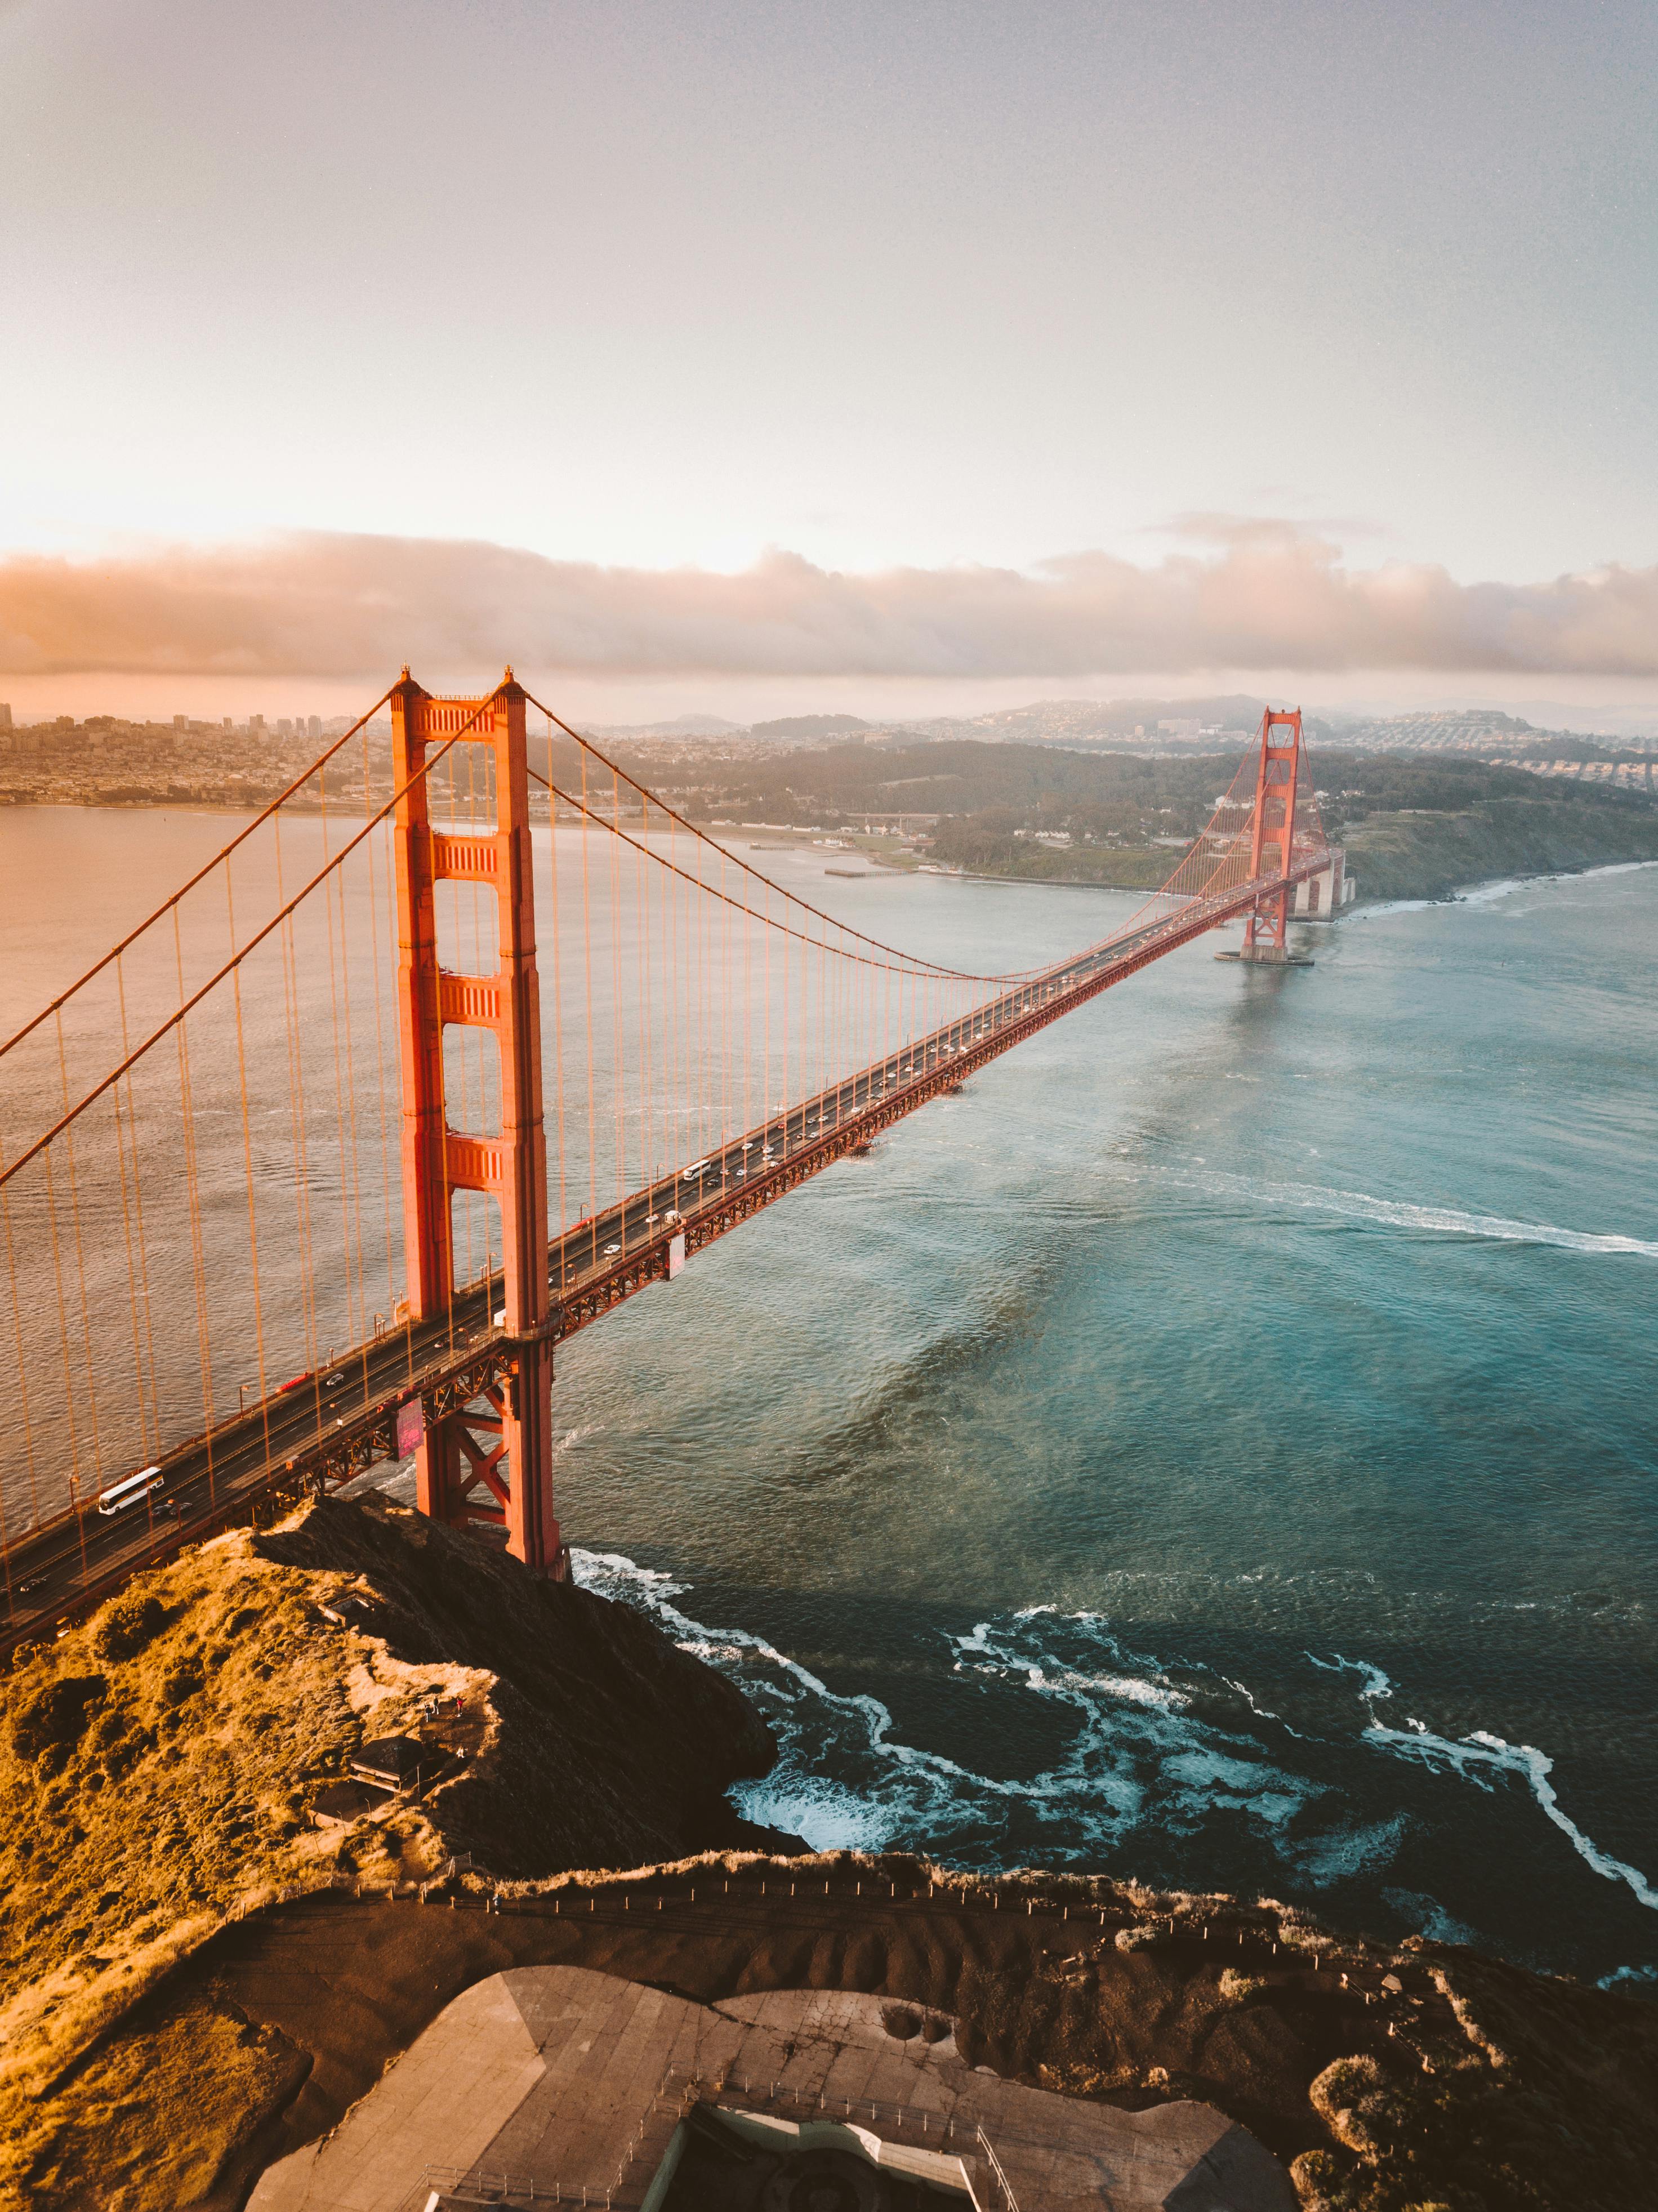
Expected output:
(1476, 1758)
(1389, 907)
(1137, 1756)
(1489, 894)
(1431, 1916)
(1341, 1854)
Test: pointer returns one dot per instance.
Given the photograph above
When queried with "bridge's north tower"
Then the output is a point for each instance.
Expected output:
(1272, 835)
(504, 1450)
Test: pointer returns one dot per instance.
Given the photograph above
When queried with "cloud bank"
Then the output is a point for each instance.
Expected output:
(1257, 595)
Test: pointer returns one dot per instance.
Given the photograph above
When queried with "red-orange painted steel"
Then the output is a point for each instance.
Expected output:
(437, 1160)
(1277, 777)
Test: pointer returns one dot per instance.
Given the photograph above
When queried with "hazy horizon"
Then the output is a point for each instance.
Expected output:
(911, 360)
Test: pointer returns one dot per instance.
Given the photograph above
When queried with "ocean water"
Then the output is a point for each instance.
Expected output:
(1217, 1446)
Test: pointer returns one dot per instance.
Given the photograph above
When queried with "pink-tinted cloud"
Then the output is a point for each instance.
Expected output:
(1268, 595)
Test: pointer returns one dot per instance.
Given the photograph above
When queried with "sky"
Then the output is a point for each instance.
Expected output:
(756, 358)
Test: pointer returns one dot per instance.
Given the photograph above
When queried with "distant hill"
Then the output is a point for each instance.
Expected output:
(1483, 731)
(806, 727)
(683, 726)
(1111, 723)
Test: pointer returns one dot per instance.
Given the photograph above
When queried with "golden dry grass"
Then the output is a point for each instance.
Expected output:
(158, 1763)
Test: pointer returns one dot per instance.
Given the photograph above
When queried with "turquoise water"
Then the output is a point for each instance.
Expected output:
(1219, 1446)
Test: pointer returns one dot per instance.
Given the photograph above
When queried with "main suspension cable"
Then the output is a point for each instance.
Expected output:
(911, 960)
(900, 963)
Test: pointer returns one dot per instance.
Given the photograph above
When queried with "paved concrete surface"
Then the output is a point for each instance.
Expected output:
(571, 2080)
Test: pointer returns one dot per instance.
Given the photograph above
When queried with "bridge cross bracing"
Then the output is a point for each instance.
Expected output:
(462, 1041)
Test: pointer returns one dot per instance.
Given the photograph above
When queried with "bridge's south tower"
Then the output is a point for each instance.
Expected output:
(503, 1449)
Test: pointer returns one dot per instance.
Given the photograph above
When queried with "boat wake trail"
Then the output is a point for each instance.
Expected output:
(1447, 1220)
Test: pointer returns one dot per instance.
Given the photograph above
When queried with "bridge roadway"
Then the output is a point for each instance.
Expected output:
(341, 1419)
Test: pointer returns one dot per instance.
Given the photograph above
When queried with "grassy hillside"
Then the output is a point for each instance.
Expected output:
(158, 1765)
(1413, 854)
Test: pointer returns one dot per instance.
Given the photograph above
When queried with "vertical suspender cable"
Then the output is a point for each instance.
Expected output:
(138, 1203)
(247, 1163)
(80, 1261)
(193, 1202)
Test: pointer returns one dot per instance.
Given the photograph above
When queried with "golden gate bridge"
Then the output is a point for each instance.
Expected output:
(315, 1167)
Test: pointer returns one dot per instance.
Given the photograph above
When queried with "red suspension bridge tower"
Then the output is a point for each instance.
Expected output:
(507, 1451)
(1272, 841)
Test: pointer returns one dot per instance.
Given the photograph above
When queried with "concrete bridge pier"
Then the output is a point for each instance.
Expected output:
(1268, 955)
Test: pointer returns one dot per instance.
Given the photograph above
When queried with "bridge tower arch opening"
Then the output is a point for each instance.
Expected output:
(488, 1459)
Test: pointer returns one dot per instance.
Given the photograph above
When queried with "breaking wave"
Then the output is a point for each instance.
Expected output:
(1476, 1756)
(1142, 1760)
(1137, 1758)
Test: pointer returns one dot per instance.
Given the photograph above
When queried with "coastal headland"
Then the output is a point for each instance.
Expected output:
(232, 1907)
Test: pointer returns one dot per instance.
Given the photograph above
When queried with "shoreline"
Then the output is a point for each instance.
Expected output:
(1457, 897)
(1388, 902)
(1464, 894)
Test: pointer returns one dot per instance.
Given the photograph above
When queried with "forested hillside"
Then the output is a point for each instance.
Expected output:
(1416, 825)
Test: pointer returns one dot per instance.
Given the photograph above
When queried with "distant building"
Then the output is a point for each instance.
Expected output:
(314, 725)
(229, 724)
(284, 727)
(5, 715)
(256, 725)
(181, 721)
(394, 1763)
